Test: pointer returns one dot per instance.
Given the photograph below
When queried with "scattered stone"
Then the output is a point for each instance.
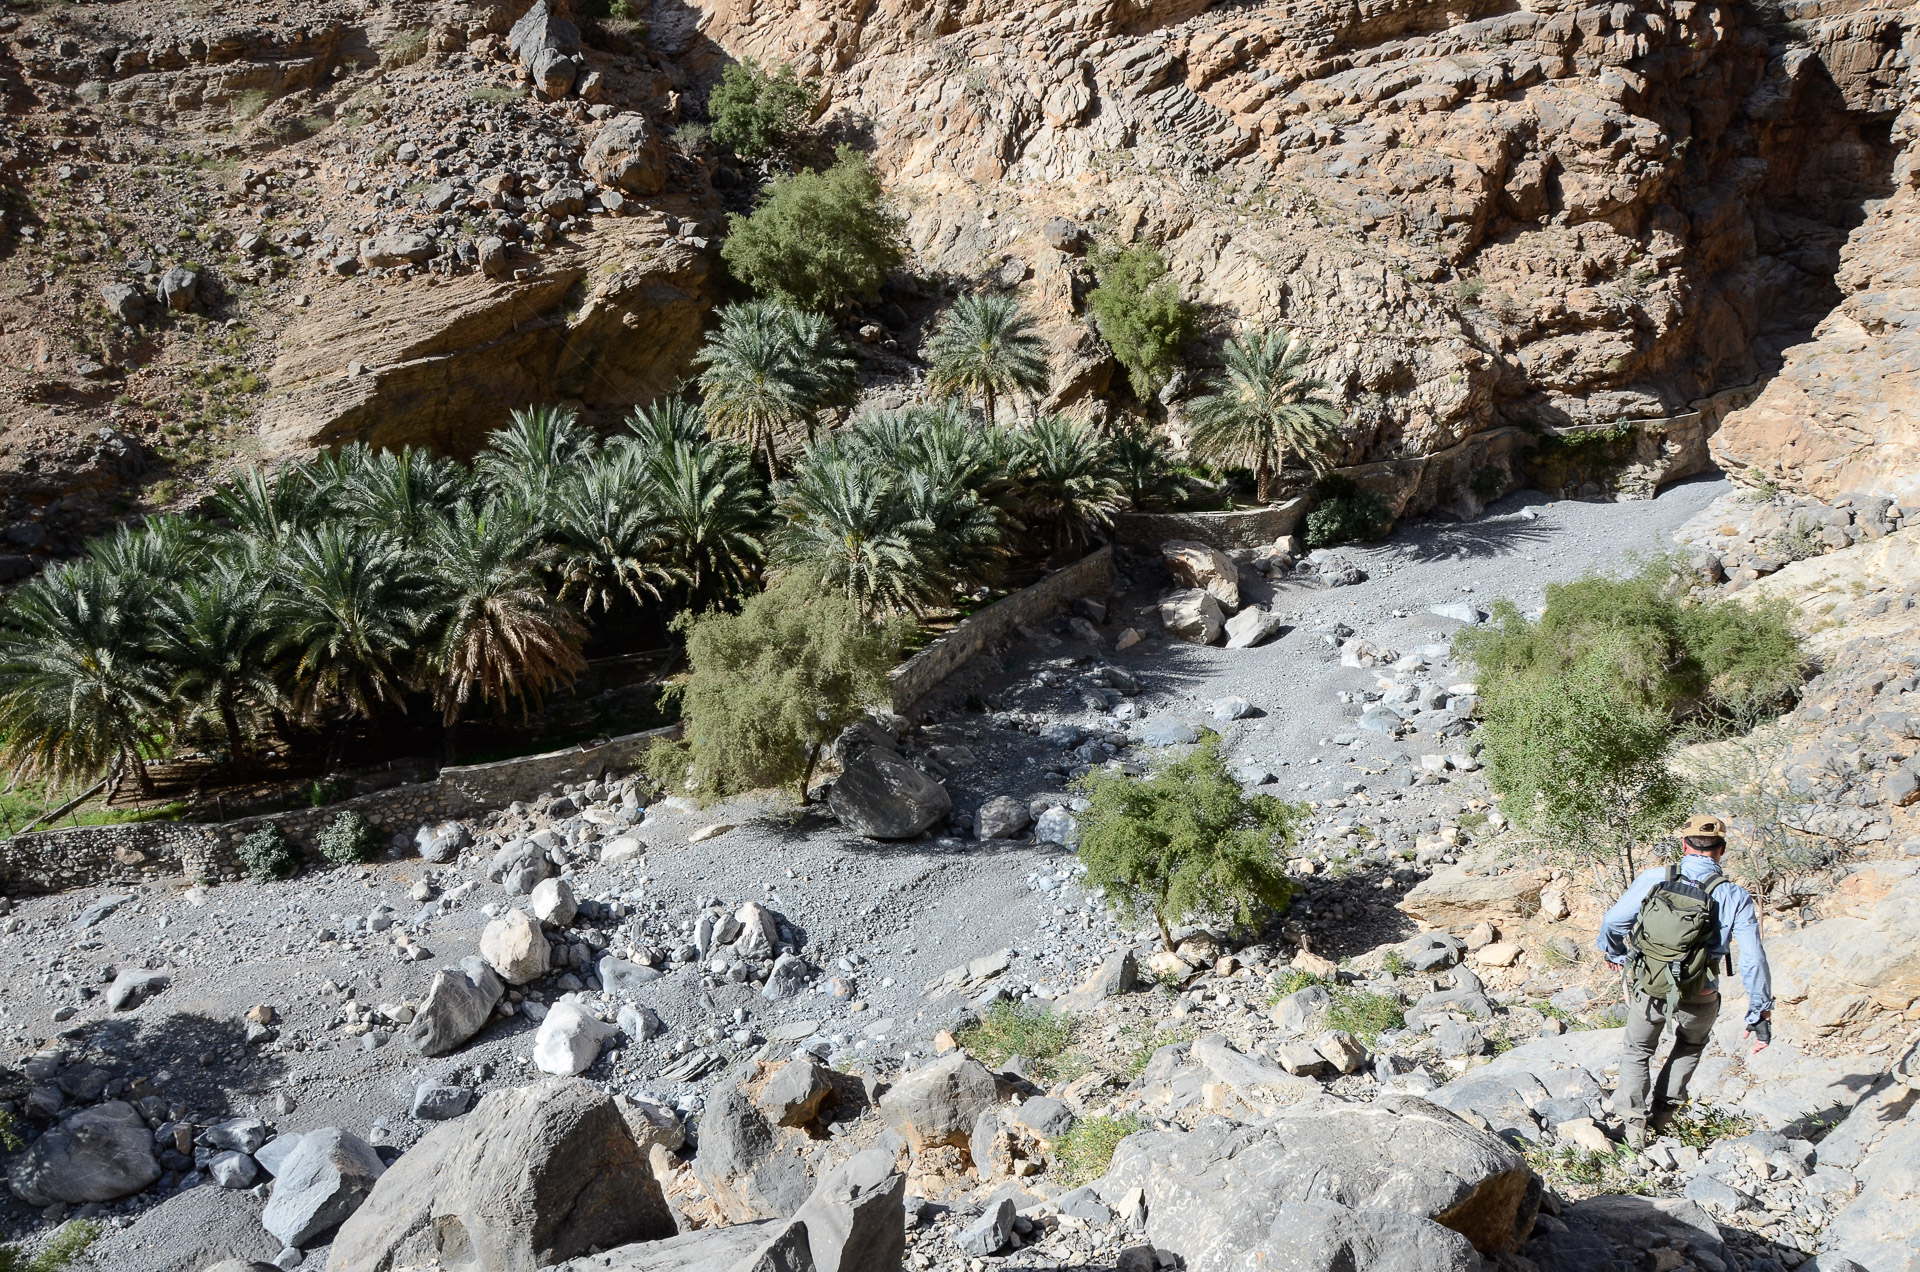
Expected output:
(1192, 615)
(569, 1040)
(515, 947)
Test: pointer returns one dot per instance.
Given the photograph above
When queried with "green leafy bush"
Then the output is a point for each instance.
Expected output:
(1017, 1029)
(756, 110)
(1582, 707)
(266, 855)
(1085, 1152)
(1186, 843)
(349, 839)
(816, 240)
(1141, 314)
(1346, 514)
(66, 1247)
(767, 688)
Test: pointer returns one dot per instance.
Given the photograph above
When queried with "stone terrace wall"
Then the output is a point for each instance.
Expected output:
(1246, 528)
(84, 856)
(1092, 575)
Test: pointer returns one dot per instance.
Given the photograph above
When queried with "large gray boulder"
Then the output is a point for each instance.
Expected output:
(740, 1165)
(628, 154)
(134, 986)
(1880, 1228)
(98, 1154)
(1214, 1194)
(1252, 626)
(881, 795)
(549, 47)
(1324, 1236)
(458, 1005)
(1002, 817)
(767, 1245)
(515, 947)
(532, 1176)
(939, 1102)
(856, 1219)
(323, 1182)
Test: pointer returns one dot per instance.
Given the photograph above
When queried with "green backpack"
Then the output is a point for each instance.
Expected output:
(1673, 938)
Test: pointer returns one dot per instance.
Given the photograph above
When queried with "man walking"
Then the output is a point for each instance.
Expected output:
(1671, 931)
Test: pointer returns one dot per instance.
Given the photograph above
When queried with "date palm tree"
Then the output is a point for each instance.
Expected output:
(986, 347)
(215, 644)
(405, 492)
(78, 682)
(350, 607)
(1263, 408)
(844, 524)
(711, 514)
(533, 453)
(769, 368)
(664, 421)
(609, 539)
(498, 634)
(1065, 482)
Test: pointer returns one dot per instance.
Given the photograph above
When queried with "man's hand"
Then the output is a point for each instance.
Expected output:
(1763, 1030)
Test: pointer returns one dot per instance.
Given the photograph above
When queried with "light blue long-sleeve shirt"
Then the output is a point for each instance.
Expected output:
(1737, 921)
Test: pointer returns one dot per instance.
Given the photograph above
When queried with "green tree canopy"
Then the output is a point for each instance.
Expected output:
(817, 240)
(1187, 843)
(757, 109)
(1141, 314)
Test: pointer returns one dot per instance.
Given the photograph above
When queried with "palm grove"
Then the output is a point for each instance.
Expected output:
(343, 592)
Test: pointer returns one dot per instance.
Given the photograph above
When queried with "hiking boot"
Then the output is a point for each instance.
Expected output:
(1636, 1134)
(1661, 1119)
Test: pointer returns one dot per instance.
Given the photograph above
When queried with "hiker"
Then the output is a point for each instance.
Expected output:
(1670, 932)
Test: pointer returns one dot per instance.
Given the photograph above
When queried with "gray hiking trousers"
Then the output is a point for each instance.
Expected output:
(1646, 1021)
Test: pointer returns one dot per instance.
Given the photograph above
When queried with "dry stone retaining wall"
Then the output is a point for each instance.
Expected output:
(83, 856)
(914, 679)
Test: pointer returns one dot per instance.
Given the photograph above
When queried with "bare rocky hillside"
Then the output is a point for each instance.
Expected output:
(1483, 217)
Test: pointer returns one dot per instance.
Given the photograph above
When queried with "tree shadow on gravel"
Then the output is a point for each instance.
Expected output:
(208, 1061)
(1490, 537)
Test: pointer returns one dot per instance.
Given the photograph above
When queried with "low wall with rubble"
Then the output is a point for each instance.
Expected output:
(87, 856)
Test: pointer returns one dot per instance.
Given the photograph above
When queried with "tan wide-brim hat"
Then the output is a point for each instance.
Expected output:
(1704, 827)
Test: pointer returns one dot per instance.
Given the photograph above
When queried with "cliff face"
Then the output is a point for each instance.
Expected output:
(1843, 415)
(1482, 213)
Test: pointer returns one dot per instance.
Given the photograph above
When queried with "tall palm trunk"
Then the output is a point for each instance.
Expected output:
(137, 768)
(987, 403)
(1263, 481)
(236, 740)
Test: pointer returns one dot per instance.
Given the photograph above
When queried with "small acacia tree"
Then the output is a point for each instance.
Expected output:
(768, 688)
(1141, 313)
(1186, 843)
(817, 239)
(757, 109)
(1584, 706)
